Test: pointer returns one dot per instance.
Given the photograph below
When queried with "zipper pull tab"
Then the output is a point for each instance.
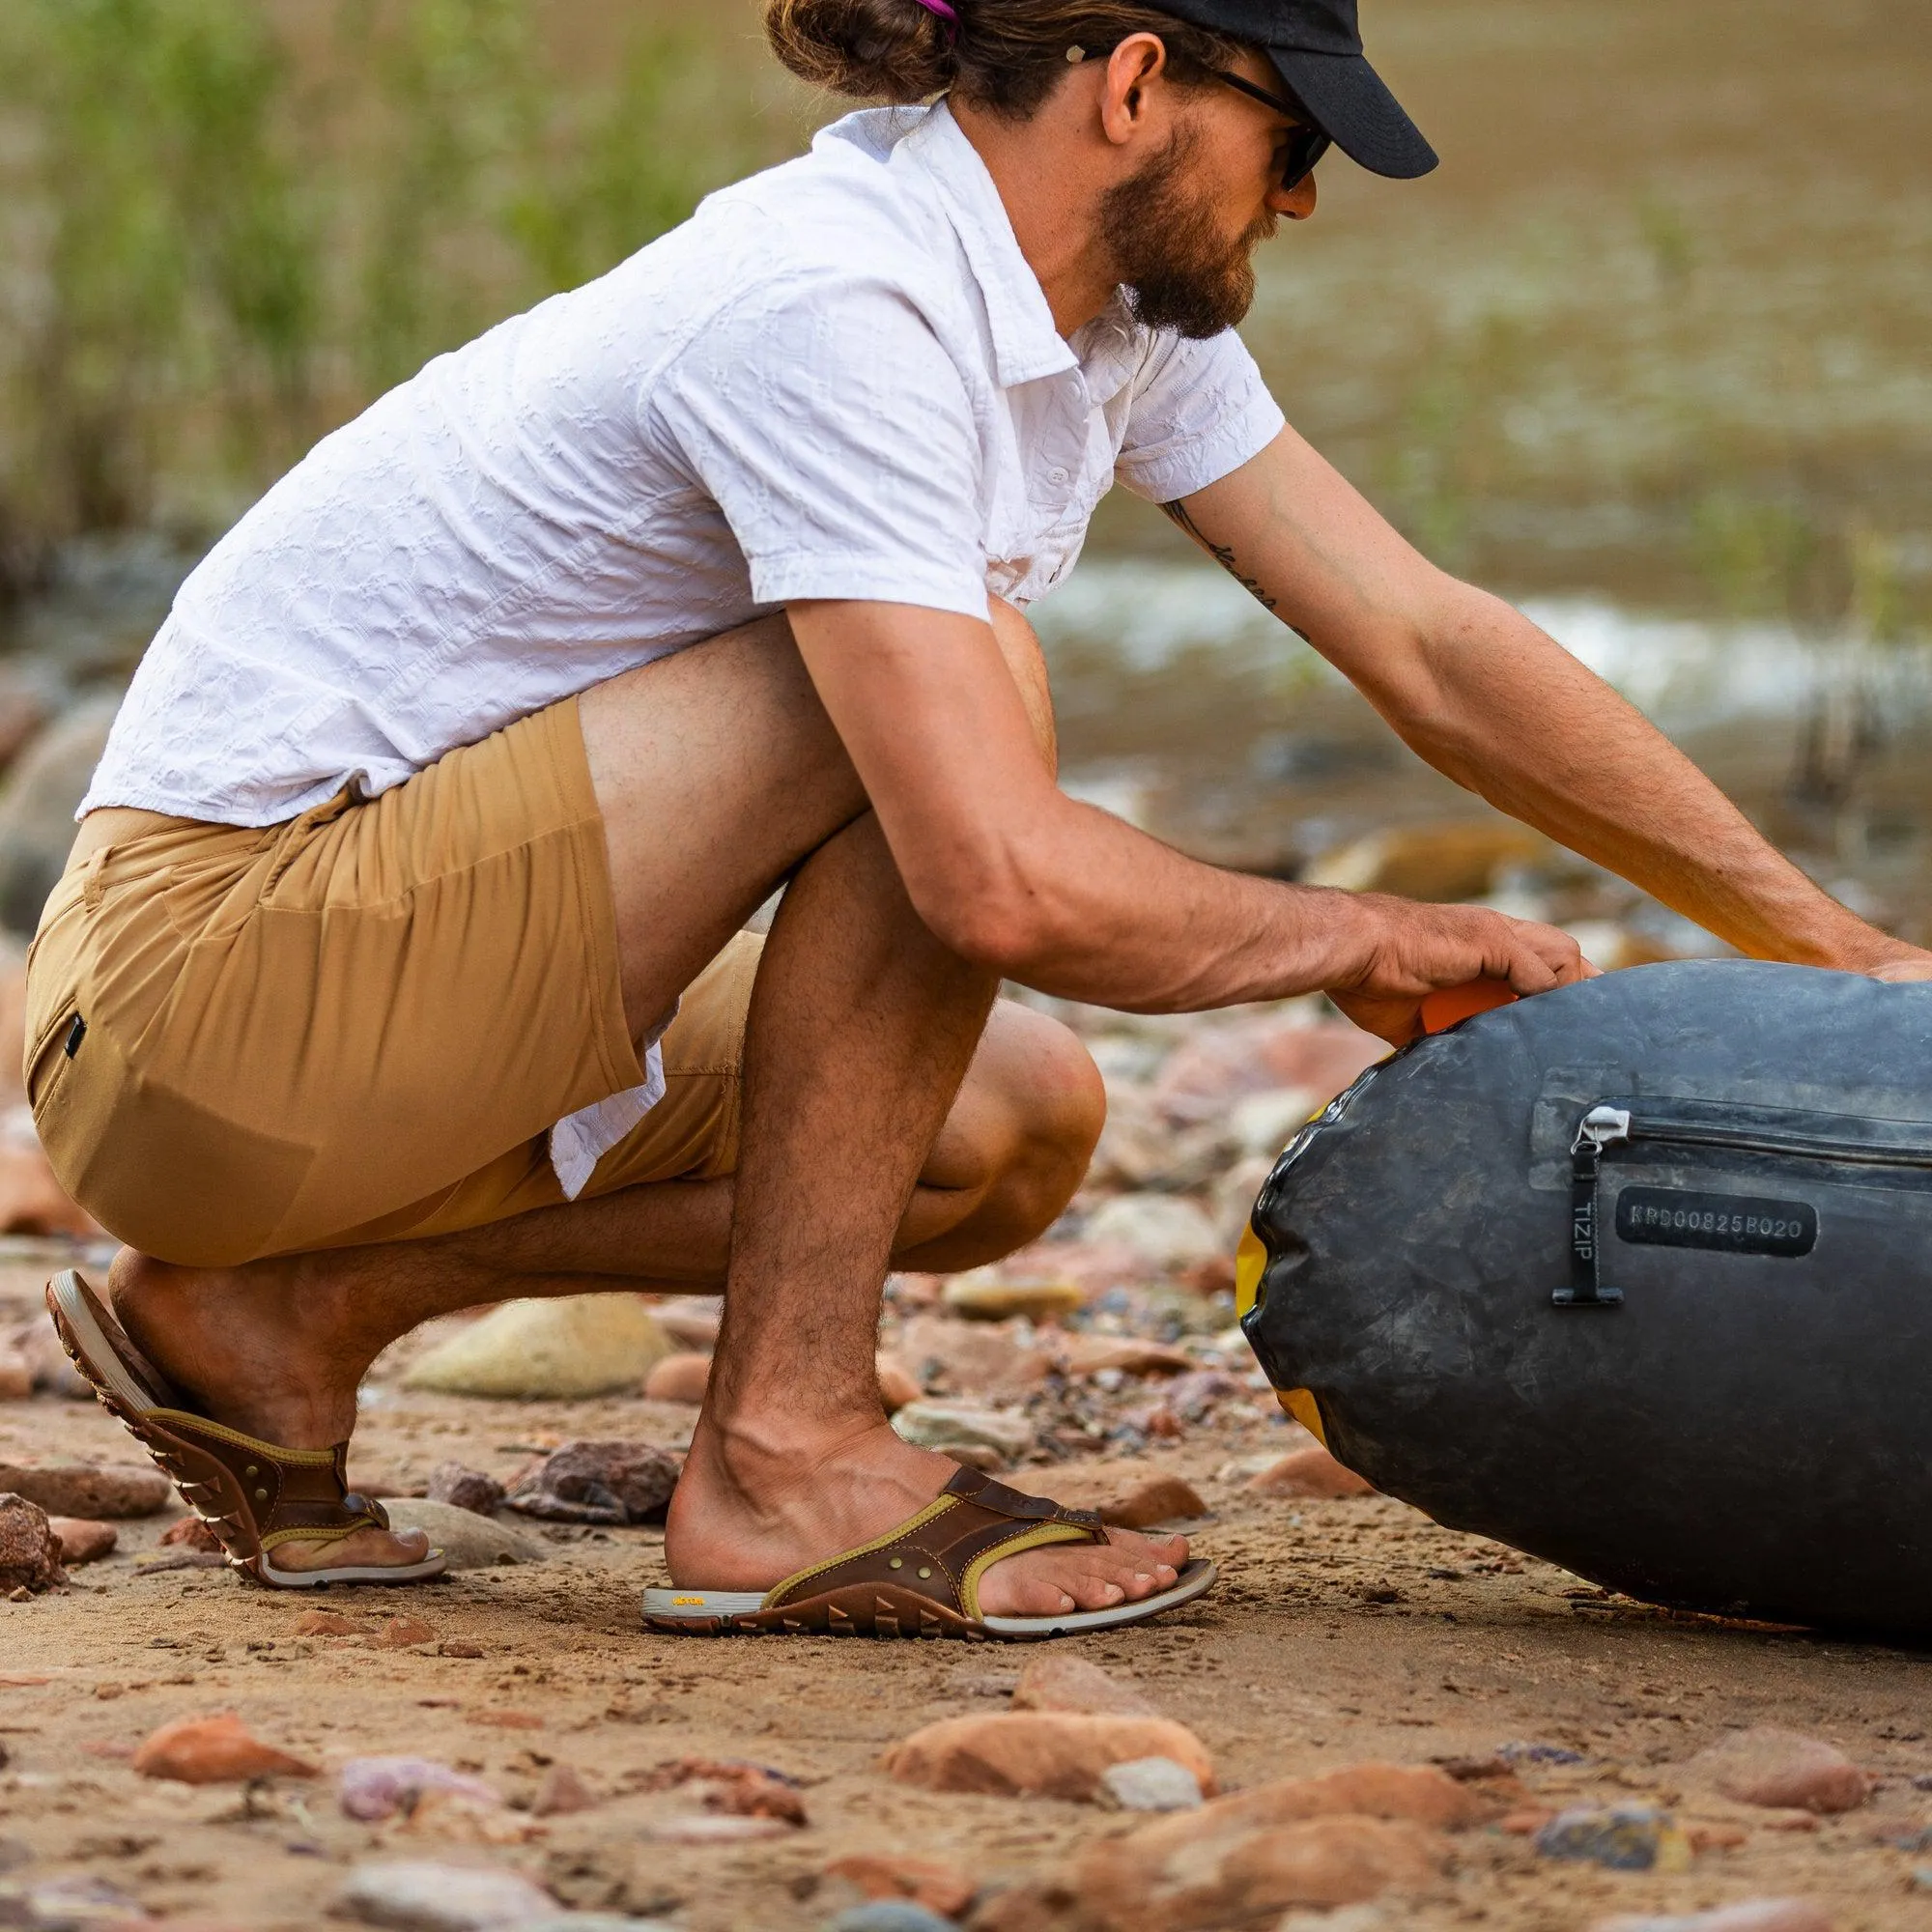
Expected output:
(1600, 1127)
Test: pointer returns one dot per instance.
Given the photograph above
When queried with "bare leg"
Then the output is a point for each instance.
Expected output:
(861, 1027)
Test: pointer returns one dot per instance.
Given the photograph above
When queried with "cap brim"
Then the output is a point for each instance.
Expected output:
(1352, 106)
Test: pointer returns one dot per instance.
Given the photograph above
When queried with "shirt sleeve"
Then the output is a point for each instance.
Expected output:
(836, 434)
(1199, 410)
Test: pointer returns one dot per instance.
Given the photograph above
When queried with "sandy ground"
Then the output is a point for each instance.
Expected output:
(1344, 1631)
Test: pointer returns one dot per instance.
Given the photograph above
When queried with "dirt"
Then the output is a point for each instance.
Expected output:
(1343, 1631)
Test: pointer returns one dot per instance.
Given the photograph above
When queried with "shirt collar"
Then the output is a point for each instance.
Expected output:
(1026, 344)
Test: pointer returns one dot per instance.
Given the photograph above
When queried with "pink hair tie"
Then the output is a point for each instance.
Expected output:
(942, 10)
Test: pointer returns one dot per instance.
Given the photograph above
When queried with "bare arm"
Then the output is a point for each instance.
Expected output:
(1488, 698)
(1010, 871)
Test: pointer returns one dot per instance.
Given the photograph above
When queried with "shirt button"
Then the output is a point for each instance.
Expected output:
(1056, 476)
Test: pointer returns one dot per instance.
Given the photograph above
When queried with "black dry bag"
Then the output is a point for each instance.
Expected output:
(1636, 1276)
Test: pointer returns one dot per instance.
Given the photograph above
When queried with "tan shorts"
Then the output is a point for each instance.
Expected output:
(358, 1025)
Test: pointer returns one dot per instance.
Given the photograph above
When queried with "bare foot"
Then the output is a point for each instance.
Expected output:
(746, 1515)
(250, 1348)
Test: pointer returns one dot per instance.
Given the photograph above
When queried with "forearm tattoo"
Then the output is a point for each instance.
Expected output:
(1176, 513)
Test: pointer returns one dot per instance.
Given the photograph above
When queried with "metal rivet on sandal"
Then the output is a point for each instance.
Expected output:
(253, 1472)
(261, 1495)
(896, 1563)
(924, 1571)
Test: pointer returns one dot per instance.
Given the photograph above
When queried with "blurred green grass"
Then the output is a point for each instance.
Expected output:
(226, 228)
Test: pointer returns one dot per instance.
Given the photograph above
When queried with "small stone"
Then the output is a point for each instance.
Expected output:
(327, 1622)
(470, 1542)
(951, 1426)
(1162, 1230)
(375, 1789)
(414, 1895)
(940, 1889)
(613, 1483)
(1782, 1770)
(891, 1914)
(1045, 1753)
(1310, 1472)
(1415, 1793)
(405, 1633)
(1532, 1752)
(214, 1751)
(1209, 1872)
(733, 1787)
(691, 1320)
(1059, 1681)
(1755, 1915)
(1196, 1395)
(464, 1488)
(74, 1903)
(115, 1490)
(30, 1552)
(1150, 1784)
(81, 1540)
(681, 1378)
(191, 1533)
(977, 1297)
(16, 1374)
(456, 1646)
(571, 1347)
(898, 1384)
(1619, 1837)
(562, 1791)
(1127, 1495)
(20, 1594)
(1126, 1355)
(971, 1357)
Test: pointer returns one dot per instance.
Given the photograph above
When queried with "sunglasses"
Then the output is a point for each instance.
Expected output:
(1306, 143)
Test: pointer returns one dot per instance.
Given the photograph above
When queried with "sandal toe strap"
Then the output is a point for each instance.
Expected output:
(943, 1551)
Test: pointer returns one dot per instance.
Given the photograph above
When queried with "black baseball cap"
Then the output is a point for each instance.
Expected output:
(1317, 47)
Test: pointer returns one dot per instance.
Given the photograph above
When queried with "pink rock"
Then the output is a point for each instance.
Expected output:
(16, 1374)
(1199, 1871)
(941, 1888)
(970, 1357)
(375, 1789)
(679, 1378)
(90, 1489)
(691, 1320)
(405, 1633)
(81, 1540)
(191, 1533)
(1059, 1681)
(472, 1489)
(1045, 1753)
(1782, 1770)
(1310, 1472)
(562, 1791)
(1089, 1355)
(214, 1751)
(898, 1384)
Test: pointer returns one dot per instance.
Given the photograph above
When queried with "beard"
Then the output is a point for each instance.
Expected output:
(1176, 270)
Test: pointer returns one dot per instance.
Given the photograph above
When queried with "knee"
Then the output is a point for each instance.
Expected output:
(1049, 1106)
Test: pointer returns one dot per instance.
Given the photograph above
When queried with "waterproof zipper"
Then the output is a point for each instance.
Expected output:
(1605, 1126)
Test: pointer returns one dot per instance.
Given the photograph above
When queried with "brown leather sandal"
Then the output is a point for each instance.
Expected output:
(255, 1495)
(921, 1578)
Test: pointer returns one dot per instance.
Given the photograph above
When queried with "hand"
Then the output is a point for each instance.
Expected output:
(1414, 950)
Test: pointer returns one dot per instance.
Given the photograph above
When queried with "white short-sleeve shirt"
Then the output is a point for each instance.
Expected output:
(839, 379)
